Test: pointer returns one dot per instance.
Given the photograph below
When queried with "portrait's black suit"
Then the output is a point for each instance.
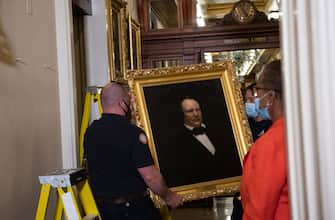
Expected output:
(188, 161)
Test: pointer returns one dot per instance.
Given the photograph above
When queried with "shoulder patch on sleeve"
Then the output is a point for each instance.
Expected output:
(143, 138)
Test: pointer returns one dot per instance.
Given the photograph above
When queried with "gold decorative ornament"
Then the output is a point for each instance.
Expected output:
(244, 12)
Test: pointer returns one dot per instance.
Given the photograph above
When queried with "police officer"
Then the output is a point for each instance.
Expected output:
(120, 165)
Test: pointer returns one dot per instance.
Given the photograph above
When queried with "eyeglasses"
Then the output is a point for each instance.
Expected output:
(256, 89)
(263, 88)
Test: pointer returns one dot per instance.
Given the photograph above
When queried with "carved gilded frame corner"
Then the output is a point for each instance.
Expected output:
(117, 54)
(144, 84)
(134, 44)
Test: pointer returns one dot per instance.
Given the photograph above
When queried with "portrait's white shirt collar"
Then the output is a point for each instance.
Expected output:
(191, 128)
(203, 139)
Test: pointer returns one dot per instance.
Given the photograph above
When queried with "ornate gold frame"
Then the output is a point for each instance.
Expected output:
(225, 72)
(134, 27)
(119, 8)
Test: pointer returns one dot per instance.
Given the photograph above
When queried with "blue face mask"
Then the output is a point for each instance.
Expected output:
(257, 101)
(261, 112)
(251, 109)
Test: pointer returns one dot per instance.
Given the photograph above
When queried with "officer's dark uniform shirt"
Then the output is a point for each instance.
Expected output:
(114, 152)
(258, 128)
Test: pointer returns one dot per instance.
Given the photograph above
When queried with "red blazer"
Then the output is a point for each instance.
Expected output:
(264, 190)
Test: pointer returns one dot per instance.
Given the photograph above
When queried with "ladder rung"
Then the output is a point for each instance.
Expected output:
(64, 177)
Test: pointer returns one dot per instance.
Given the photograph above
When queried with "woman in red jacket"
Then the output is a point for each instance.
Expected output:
(264, 189)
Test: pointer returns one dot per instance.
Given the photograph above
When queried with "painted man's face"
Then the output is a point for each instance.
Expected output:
(192, 112)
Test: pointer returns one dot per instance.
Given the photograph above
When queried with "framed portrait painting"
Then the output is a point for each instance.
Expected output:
(196, 126)
(116, 38)
(134, 44)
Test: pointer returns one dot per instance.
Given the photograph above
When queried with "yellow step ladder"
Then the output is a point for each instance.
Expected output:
(92, 96)
(63, 181)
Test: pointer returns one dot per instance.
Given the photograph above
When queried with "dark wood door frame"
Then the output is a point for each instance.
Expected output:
(84, 6)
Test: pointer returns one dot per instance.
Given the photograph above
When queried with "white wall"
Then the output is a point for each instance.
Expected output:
(30, 137)
(96, 45)
(96, 42)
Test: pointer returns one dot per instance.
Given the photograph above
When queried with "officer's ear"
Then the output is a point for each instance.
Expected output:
(121, 103)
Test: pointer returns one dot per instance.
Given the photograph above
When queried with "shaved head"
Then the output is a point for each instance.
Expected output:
(112, 94)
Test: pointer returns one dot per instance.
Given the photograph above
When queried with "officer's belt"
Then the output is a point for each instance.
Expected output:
(122, 199)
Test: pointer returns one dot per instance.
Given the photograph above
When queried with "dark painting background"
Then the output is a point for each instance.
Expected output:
(166, 117)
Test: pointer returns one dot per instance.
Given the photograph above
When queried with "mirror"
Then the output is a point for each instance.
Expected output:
(163, 14)
(249, 63)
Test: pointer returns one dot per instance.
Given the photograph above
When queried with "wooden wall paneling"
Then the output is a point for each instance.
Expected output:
(189, 54)
(143, 10)
(189, 44)
(189, 13)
